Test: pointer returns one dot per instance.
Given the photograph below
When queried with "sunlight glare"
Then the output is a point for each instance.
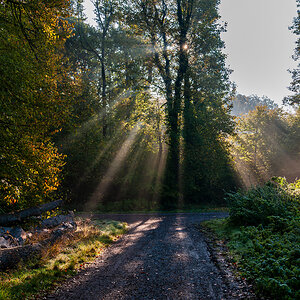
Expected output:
(113, 169)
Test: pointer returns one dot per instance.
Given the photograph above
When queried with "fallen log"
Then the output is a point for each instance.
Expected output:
(20, 216)
(9, 219)
(57, 220)
(10, 257)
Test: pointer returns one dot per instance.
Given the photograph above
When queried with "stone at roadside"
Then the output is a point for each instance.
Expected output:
(15, 235)
(10, 257)
(5, 243)
(59, 232)
(57, 220)
(64, 228)
(11, 252)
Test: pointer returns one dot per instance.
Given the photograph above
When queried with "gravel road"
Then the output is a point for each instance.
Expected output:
(161, 257)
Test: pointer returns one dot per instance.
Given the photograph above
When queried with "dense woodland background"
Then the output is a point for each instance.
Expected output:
(135, 113)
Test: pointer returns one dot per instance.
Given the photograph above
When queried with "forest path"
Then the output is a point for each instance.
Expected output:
(161, 257)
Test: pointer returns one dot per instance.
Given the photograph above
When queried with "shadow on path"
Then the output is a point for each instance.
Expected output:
(162, 257)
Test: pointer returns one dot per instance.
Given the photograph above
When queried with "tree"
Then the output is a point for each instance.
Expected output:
(180, 38)
(207, 169)
(295, 85)
(243, 104)
(266, 145)
(35, 90)
(164, 26)
(95, 128)
(156, 22)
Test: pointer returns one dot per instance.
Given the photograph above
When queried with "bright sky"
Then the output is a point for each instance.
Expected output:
(89, 11)
(259, 44)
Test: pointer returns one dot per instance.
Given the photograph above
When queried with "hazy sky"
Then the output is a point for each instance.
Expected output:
(259, 44)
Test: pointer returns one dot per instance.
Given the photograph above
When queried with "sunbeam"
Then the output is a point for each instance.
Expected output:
(87, 125)
(99, 156)
(126, 183)
(113, 169)
(160, 167)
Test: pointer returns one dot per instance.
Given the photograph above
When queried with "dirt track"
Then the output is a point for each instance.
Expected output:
(162, 257)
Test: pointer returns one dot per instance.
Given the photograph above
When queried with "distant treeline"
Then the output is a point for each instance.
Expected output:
(243, 104)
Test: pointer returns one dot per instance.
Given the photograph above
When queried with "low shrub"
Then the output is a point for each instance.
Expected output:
(270, 258)
(263, 235)
(259, 205)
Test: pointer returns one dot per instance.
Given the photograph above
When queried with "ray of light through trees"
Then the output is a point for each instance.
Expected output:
(134, 112)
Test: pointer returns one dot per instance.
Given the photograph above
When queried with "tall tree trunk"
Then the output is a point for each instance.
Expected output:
(171, 182)
(104, 85)
(189, 132)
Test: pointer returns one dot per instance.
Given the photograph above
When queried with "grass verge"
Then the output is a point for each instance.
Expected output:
(61, 260)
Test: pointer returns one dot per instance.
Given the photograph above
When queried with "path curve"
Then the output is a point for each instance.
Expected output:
(161, 257)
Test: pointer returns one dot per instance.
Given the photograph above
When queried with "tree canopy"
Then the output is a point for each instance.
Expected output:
(134, 112)
(295, 84)
(36, 87)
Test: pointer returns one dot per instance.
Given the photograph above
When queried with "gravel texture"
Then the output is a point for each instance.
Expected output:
(161, 257)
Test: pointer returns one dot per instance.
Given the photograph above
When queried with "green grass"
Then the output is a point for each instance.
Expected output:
(60, 261)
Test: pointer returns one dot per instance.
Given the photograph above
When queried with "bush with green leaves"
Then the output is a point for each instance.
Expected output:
(263, 234)
(269, 256)
(258, 205)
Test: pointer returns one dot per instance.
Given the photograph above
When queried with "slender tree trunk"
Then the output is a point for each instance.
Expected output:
(189, 163)
(104, 86)
(171, 183)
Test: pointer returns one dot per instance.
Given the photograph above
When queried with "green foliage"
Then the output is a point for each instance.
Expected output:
(31, 174)
(295, 84)
(262, 204)
(270, 255)
(266, 144)
(263, 236)
(186, 66)
(125, 80)
(90, 154)
(206, 119)
(36, 87)
(113, 101)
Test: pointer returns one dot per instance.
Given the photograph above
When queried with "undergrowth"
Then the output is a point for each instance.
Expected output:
(262, 234)
(126, 207)
(61, 260)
